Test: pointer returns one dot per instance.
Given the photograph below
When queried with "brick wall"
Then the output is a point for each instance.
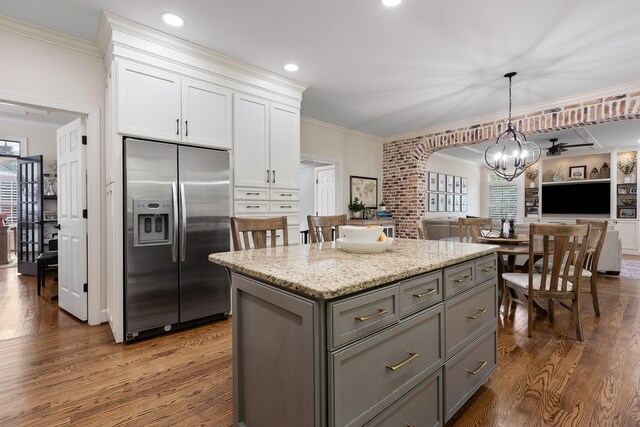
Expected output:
(404, 160)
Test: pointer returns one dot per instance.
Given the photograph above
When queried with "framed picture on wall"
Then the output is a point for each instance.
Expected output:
(432, 201)
(449, 183)
(456, 203)
(464, 185)
(449, 202)
(442, 182)
(442, 202)
(432, 184)
(577, 172)
(463, 203)
(365, 189)
(456, 184)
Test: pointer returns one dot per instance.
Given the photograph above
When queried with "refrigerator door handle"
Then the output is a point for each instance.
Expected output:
(183, 235)
(174, 196)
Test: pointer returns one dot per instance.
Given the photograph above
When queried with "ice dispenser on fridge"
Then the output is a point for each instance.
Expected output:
(153, 221)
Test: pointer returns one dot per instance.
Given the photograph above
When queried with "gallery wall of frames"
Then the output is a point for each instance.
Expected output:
(446, 193)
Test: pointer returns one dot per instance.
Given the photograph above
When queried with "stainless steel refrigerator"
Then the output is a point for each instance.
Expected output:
(177, 202)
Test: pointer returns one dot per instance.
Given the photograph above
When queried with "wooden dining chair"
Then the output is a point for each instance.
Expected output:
(470, 227)
(422, 229)
(321, 227)
(597, 234)
(563, 257)
(241, 228)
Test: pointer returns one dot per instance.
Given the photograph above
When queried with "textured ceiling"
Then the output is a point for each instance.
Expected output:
(390, 71)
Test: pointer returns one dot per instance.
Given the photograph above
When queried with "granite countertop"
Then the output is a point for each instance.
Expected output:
(322, 271)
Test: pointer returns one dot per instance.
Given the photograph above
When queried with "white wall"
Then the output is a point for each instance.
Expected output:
(41, 69)
(354, 153)
(40, 140)
(442, 163)
(307, 184)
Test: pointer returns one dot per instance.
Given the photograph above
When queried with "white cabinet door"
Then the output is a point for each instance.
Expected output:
(251, 142)
(206, 115)
(628, 234)
(148, 102)
(285, 146)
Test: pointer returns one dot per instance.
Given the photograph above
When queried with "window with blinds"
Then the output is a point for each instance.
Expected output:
(503, 201)
(9, 201)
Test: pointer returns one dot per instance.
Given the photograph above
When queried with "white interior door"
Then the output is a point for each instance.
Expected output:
(72, 235)
(325, 190)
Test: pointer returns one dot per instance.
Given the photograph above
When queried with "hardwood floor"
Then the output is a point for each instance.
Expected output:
(77, 376)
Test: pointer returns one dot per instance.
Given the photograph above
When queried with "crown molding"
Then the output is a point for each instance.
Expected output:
(111, 22)
(319, 123)
(27, 122)
(49, 36)
(574, 99)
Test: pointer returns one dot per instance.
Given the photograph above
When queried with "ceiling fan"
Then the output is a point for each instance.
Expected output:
(556, 150)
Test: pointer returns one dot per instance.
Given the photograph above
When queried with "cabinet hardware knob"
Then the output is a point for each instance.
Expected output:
(429, 291)
(463, 279)
(480, 311)
(404, 362)
(380, 312)
(483, 364)
(177, 126)
(485, 270)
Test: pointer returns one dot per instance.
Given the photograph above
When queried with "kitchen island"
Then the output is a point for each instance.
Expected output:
(326, 338)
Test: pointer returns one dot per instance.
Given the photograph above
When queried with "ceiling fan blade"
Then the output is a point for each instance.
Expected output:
(562, 144)
(580, 145)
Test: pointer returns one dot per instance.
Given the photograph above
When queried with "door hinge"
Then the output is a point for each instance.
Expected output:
(84, 213)
(85, 287)
(84, 139)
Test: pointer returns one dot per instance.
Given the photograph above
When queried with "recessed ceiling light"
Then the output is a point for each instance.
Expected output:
(391, 3)
(172, 19)
(291, 67)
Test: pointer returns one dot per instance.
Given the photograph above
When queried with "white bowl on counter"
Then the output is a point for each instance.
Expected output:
(361, 234)
(364, 247)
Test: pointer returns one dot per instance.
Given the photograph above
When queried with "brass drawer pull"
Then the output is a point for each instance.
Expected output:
(429, 291)
(464, 279)
(480, 310)
(404, 362)
(479, 369)
(380, 312)
(486, 270)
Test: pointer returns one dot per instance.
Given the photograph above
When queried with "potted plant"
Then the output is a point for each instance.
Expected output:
(383, 206)
(627, 167)
(532, 174)
(357, 207)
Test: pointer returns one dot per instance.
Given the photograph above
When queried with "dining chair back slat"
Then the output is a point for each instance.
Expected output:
(321, 228)
(241, 228)
(470, 227)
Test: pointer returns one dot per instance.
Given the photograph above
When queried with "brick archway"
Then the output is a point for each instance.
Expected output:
(404, 171)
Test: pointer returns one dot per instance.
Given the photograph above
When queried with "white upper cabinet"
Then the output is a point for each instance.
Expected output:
(284, 146)
(148, 102)
(207, 114)
(251, 142)
(266, 144)
(158, 105)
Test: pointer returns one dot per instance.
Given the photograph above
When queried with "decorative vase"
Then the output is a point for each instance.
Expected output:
(627, 179)
(383, 208)
(558, 177)
(51, 191)
(594, 174)
(605, 172)
(357, 215)
(532, 184)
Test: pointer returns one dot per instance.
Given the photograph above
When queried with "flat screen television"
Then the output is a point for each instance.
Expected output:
(579, 198)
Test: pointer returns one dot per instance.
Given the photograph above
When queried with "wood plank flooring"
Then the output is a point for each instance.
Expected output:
(77, 376)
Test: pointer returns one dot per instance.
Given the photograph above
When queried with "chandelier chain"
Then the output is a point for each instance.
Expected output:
(509, 100)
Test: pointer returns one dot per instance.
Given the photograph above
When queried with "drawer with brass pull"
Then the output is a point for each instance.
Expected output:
(459, 278)
(468, 314)
(420, 292)
(468, 370)
(367, 376)
(355, 317)
(486, 268)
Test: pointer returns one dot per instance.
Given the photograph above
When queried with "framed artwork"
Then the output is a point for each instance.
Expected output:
(633, 190)
(432, 201)
(442, 203)
(464, 185)
(432, 181)
(449, 202)
(456, 184)
(449, 183)
(50, 215)
(456, 203)
(442, 182)
(577, 172)
(626, 212)
(533, 210)
(365, 189)
(622, 189)
(463, 203)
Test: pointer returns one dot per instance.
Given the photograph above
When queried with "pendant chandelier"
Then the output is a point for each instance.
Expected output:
(511, 154)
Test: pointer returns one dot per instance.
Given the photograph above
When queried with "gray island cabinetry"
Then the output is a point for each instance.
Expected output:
(326, 338)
